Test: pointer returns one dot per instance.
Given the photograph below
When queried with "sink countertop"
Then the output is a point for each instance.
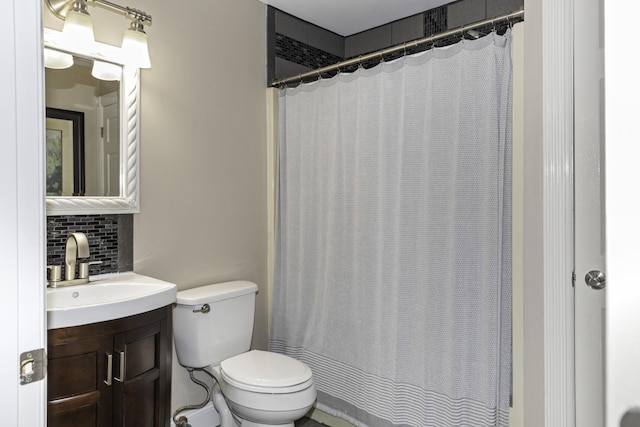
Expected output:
(107, 297)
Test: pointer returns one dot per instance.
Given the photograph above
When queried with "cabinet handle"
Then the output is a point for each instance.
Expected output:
(122, 368)
(109, 368)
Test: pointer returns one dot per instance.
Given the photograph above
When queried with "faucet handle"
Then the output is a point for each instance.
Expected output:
(55, 274)
(83, 268)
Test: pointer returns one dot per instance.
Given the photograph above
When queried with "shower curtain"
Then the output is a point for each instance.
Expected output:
(393, 247)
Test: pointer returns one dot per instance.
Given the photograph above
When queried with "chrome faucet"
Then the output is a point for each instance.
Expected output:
(77, 247)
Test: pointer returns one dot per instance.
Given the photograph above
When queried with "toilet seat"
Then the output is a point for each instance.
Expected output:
(266, 372)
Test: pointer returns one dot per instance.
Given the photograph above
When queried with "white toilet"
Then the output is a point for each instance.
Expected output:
(212, 327)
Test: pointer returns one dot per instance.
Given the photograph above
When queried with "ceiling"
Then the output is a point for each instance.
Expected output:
(347, 17)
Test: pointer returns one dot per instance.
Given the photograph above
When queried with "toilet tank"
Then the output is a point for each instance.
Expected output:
(205, 338)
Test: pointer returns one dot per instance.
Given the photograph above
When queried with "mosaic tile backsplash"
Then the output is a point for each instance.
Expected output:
(110, 240)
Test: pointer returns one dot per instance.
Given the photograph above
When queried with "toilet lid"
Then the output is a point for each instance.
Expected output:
(265, 370)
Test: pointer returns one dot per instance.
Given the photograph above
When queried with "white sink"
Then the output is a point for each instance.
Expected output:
(106, 297)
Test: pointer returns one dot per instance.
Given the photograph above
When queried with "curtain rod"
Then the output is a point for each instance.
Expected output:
(401, 47)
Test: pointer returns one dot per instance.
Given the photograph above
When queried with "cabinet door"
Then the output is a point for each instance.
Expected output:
(142, 369)
(77, 390)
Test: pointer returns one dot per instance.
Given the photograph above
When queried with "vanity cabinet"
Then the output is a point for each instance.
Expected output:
(114, 373)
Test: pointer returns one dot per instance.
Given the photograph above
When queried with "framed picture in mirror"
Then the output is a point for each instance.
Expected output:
(65, 152)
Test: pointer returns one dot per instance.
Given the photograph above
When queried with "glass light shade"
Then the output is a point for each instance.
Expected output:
(77, 34)
(57, 60)
(106, 71)
(134, 45)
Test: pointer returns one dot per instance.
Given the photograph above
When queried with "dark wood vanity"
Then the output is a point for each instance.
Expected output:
(113, 373)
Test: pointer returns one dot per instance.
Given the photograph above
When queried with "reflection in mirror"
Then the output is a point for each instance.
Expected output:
(75, 90)
(65, 152)
(110, 106)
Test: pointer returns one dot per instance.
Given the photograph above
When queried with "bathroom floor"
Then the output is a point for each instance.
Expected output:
(308, 422)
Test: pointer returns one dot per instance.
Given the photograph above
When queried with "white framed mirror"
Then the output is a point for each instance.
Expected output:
(95, 169)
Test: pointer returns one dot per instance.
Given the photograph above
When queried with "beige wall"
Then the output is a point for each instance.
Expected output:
(203, 149)
(203, 170)
(516, 415)
(203, 201)
(533, 221)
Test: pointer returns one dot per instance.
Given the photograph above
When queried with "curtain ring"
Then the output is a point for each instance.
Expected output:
(360, 62)
(381, 58)
(509, 22)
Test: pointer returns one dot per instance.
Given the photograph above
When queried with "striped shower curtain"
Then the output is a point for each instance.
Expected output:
(393, 247)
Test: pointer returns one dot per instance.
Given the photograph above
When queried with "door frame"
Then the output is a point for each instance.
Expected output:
(22, 251)
(549, 397)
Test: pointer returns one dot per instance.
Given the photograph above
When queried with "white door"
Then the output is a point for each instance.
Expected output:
(589, 212)
(623, 216)
(109, 152)
(22, 217)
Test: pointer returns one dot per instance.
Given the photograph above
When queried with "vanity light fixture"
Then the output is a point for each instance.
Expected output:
(106, 71)
(57, 60)
(134, 44)
(79, 36)
(77, 33)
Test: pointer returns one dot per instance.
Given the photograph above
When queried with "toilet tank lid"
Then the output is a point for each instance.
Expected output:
(216, 292)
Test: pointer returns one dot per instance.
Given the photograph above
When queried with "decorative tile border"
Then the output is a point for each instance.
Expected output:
(303, 54)
(435, 21)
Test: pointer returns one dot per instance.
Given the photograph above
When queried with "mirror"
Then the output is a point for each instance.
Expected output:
(89, 166)
(92, 138)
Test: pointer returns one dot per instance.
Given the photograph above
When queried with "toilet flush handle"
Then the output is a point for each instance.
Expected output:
(204, 309)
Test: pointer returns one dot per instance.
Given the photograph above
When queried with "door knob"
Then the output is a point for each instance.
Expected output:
(596, 279)
(631, 418)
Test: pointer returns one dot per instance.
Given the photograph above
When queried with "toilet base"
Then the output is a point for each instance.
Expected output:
(227, 419)
(231, 413)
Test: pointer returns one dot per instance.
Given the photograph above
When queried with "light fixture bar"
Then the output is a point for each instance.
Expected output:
(133, 14)
(61, 7)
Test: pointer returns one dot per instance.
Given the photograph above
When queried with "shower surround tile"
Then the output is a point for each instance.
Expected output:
(407, 29)
(291, 26)
(296, 46)
(368, 41)
(466, 12)
(501, 7)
